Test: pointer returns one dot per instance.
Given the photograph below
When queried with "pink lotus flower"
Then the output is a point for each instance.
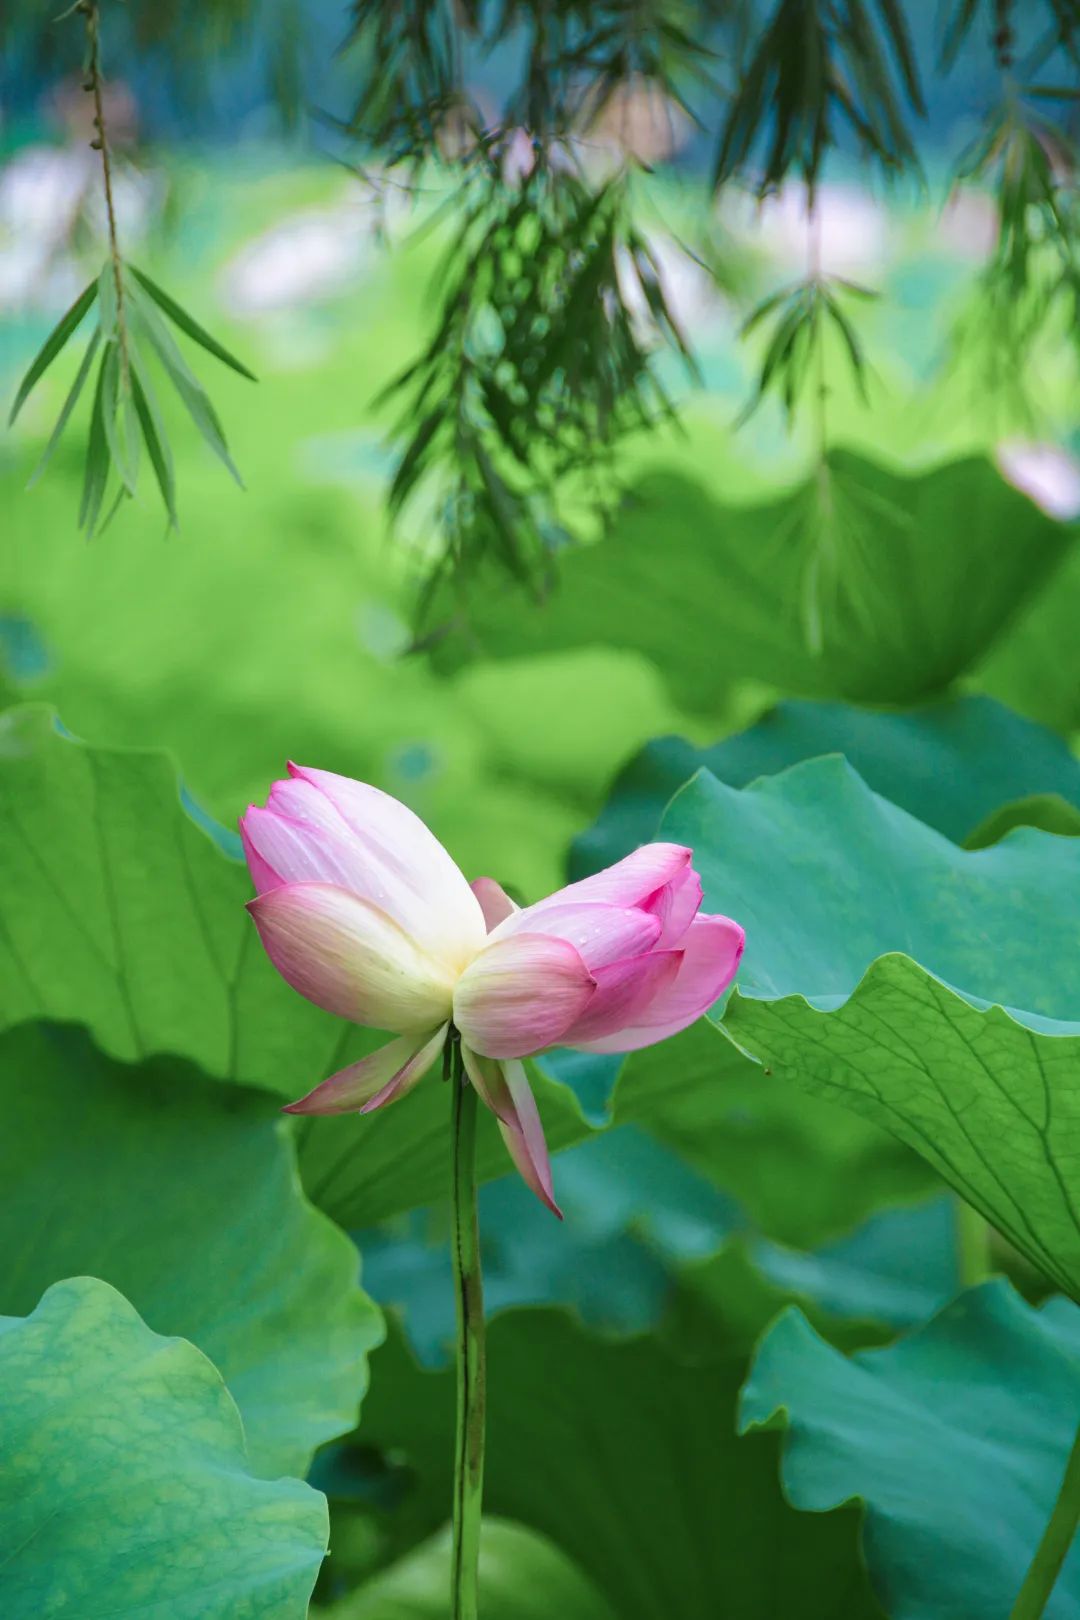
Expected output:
(363, 911)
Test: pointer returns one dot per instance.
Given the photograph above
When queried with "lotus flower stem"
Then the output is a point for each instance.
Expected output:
(471, 1370)
(1053, 1549)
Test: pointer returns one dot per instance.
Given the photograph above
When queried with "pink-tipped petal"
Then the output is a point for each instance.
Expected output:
(711, 948)
(320, 827)
(281, 848)
(520, 994)
(348, 956)
(624, 991)
(526, 1143)
(676, 905)
(376, 1079)
(489, 1080)
(409, 1074)
(263, 875)
(599, 933)
(630, 881)
(495, 903)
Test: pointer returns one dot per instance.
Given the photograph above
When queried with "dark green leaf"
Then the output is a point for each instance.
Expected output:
(96, 472)
(967, 766)
(279, 1311)
(624, 1456)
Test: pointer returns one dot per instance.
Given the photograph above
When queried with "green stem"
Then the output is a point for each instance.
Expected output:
(1056, 1540)
(471, 1372)
(973, 1262)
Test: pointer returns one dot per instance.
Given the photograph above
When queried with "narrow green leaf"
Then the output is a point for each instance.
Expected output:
(187, 323)
(52, 346)
(112, 407)
(107, 301)
(187, 385)
(69, 405)
(96, 474)
(896, 23)
(153, 433)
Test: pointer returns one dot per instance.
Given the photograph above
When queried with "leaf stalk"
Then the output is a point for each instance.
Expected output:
(1053, 1549)
(471, 1354)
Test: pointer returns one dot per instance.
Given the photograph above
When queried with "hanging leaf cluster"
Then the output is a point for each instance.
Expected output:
(135, 321)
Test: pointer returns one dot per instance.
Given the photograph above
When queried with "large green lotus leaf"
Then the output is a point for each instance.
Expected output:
(892, 1273)
(184, 1195)
(522, 1577)
(1047, 811)
(1035, 666)
(803, 1171)
(875, 950)
(124, 1485)
(953, 765)
(118, 911)
(845, 586)
(955, 1438)
(626, 1458)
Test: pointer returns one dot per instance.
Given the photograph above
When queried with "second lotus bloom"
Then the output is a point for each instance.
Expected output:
(363, 911)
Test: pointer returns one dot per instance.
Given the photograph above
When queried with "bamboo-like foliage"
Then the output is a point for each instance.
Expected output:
(135, 323)
(551, 304)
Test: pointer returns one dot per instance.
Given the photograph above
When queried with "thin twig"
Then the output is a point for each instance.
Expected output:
(93, 85)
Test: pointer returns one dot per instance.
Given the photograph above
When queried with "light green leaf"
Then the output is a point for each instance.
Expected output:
(52, 346)
(522, 1577)
(188, 324)
(124, 1484)
(1035, 666)
(114, 406)
(1048, 811)
(625, 1457)
(119, 912)
(148, 323)
(108, 304)
(828, 878)
(69, 405)
(955, 1438)
(174, 1170)
(96, 473)
(153, 432)
(952, 764)
(714, 595)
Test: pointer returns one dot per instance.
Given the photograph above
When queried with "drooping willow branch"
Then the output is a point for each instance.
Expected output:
(132, 347)
(93, 85)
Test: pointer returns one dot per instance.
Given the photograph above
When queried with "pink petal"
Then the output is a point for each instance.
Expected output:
(375, 1080)
(262, 873)
(351, 958)
(623, 993)
(520, 994)
(320, 827)
(711, 948)
(676, 905)
(487, 1076)
(630, 881)
(599, 933)
(495, 903)
(527, 1146)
